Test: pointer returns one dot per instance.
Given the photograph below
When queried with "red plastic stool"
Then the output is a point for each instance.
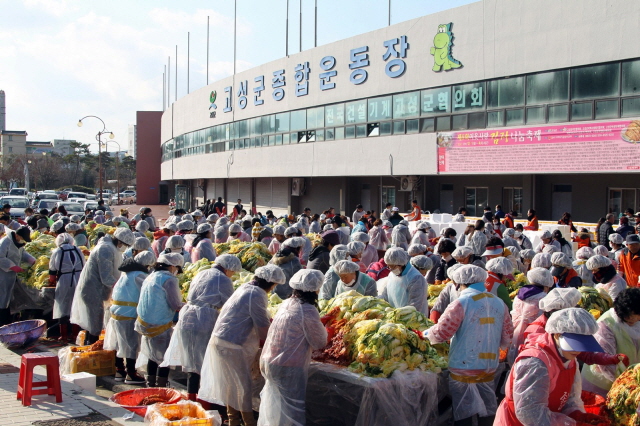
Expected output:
(26, 383)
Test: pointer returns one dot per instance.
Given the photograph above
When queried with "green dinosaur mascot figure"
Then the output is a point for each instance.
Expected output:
(441, 51)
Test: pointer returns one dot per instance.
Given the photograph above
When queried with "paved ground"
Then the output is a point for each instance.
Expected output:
(76, 403)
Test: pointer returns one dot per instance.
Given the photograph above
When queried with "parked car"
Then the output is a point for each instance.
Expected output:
(124, 198)
(91, 197)
(71, 208)
(18, 204)
(45, 204)
(93, 205)
(77, 200)
(74, 194)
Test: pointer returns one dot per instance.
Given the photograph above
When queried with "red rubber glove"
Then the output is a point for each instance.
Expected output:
(434, 316)
(16, 269)
(588, 418)
(52, 280)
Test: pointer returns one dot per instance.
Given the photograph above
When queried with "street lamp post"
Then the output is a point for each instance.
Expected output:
(98, 136)
(117, 167)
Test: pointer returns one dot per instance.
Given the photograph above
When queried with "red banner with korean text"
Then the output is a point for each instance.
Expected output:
(612, 146)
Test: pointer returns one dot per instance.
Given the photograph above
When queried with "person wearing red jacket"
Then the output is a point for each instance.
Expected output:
(532, 224)
(544, 385)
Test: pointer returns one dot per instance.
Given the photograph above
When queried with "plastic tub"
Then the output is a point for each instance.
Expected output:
(130, 400)
(22, 333)
(594, 404)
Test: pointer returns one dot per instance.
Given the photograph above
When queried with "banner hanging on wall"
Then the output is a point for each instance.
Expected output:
(612, 146)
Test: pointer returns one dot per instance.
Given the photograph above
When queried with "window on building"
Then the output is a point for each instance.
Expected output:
(476, 199)
(413, 126)
(581, 111)
(630, 107)
(515, 117)
(466, 97)
(10, 148)
(350, 132)
(385, 128)
(621, 199)
(477, 120)
(282, 122)
(443, 124)
(506, 92)
(535, 115)
(361, 131)
(380, 108)
(10, 137)
(299, 120)
(436, 101)
(548, 87)
(356, 112)
(388, 195)
(320, 135)
(631, 77)
(315, 118)
(330, 134)
(334, 115)
(373, 129)
(406, 105)
(339, 133)
(398, 127)
(512, 200)
(495, 118)
(427, 125)
(607, 109)
(596, 81)
(558, 113)
(459, 122)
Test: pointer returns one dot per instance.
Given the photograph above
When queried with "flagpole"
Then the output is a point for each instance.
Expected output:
(287, 32)
(188, 58)
(207, 50)
(235, 15)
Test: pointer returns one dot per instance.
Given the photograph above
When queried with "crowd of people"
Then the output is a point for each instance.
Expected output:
(219, 336)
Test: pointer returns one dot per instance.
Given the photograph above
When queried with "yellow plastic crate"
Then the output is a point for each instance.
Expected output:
(185, 413)
(98, 363)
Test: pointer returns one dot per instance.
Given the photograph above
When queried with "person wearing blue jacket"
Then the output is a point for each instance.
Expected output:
(120, 335)
(160, 298)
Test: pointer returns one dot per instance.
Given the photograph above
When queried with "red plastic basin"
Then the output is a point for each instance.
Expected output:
(130, 400)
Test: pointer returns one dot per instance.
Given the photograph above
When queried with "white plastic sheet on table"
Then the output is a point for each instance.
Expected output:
(564, 229)
(337, 396)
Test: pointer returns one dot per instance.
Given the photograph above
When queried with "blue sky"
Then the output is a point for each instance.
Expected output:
(61, 60)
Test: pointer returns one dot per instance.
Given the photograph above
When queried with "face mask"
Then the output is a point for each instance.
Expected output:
(122, 248)
(397, 271)
(448, 258)
(350, 283)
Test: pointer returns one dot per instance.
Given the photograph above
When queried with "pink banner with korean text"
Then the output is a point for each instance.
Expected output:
(612, 146)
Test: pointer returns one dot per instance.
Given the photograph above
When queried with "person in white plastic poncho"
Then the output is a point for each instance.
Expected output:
(606, 276)
(478, 325)
(202, 246)
(295, 332)
(331, 278)
(140, 244)
(12, 255)
(65, 266)
(370, 254)
(120, 335)
(422, 263)
(160, 298)
(175, 244)
(97, 279)
(405, 286)
(526, 307)
(448, 294)
(619, 335)
(208, 292)
(544, 386)
(351, 278)
(234, 346)
(580, 265)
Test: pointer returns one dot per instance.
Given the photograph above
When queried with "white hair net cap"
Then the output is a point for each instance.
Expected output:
(229, 262)
(271, 274)
(545, 234)
(197, 213)
(550, 249)
(515, 251)
(108, 214)
(294, 242)
(616, 238)
(470, 274)
(338, 253)
(292, 230)
(185, 225)
(560, 298)
(421, 262)
(452, 270)
(235, 228)
(572, 320)
(561, 259)
(597, 262)
(601, 250)
(323, 216)
(72, 227)
(142, 226)
(64, 238)
(279, 229)
(346, 267)
(175, 242)
(459, 218)
(204, 227)
(142, 209)
(356, 248)
(360, 236)
(187, 217)
(527, 254)
(396, 256)
(416, 249)
(125, 235)
(212, 217)
(57, 225)
(222, 221)
(307, 280)
(462, 252)
(146, 258)
(509, 232)
(585, 253)
(172, 259)
(141, 243)
(540, 276)
(542, 260)
(403, 222)
(424, 225)
(387, 223)
(171, 227)
(74, 218)
(500, 265)
(98, 213)
(327, 227)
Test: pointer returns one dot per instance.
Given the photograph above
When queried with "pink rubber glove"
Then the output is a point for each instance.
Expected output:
(16, 269)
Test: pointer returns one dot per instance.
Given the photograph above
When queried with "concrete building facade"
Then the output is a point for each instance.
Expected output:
(529, 104)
